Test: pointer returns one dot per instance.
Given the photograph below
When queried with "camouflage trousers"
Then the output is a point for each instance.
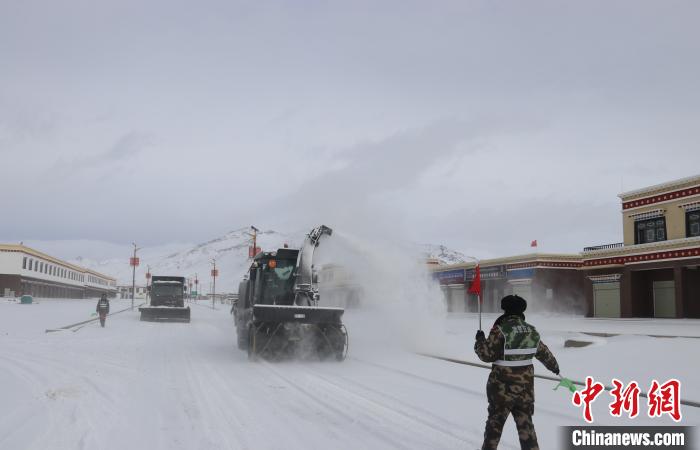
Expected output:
(506, 398)
(494, 428)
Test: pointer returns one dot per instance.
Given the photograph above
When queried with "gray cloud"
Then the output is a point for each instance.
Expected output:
(284, 114)
(127, 146)
(358, 193)
(21, 123)
(396, 161)
(508, 228)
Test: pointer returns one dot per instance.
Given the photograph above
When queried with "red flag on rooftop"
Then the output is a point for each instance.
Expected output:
(475, 285)
(533, 243)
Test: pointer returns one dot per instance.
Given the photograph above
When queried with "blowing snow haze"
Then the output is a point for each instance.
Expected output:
(462, 123)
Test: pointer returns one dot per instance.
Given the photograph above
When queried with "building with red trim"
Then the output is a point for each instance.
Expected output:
(654, 272)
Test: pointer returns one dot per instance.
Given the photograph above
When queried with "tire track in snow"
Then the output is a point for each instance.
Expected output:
(363, 407)
(213, 409)
(473, 392)
(336, 409)
(44, 364)
(19, 419)
(56, 398)
(479, 393)
(263, 404)
(66, 394)
(420, 415)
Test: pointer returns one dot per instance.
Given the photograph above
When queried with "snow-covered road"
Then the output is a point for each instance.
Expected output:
(185, 386)
(156, 385)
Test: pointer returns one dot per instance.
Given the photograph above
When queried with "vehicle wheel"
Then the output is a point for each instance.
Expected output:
(252, 353)
(242, 340)
(342, 343)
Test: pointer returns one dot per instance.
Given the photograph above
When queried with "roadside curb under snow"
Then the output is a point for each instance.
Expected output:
(84, 322)
(686, 402)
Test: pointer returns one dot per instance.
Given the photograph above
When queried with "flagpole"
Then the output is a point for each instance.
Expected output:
(478, 301)
(478, 294)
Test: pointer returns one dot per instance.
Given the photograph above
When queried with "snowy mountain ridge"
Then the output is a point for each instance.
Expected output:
(442, 253)
(196, 260)
(230, 252)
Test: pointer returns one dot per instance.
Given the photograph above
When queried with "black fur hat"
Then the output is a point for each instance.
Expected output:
(513, 304)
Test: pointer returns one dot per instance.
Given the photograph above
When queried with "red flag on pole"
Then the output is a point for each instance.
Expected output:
(533, 243)
(475, 285)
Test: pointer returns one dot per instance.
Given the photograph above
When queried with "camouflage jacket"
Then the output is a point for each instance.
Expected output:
(491, 349)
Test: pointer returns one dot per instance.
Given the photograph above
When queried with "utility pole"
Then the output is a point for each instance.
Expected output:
(134, 262)
(148, 278)
(214, 274)
(196, 286)
(255, 241)
(254, 235)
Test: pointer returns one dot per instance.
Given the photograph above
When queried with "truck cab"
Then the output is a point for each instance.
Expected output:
(278, 313)
(167, 291)
(269, 281)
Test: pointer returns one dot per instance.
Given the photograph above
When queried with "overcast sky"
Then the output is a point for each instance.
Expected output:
(478, 124)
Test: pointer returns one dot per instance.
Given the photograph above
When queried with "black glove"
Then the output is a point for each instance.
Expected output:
(556, 371)
(480, 336)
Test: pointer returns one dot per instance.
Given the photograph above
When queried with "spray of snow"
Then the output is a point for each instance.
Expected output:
(399, 304)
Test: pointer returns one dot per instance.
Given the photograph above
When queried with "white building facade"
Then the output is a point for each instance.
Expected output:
(24, 270)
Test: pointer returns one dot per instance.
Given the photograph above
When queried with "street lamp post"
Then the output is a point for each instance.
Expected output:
(148, 278)
(134, 262)
(214, 274)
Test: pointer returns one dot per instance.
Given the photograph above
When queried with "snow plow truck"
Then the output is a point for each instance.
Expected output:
(278, 315)
(167, 300)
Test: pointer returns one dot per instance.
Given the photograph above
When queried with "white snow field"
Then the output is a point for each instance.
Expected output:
(141, 385)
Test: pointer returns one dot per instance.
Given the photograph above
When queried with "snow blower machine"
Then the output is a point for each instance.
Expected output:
(167, 300)
(278, 314)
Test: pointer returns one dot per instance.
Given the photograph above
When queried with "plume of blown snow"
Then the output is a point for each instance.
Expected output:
(399, 303)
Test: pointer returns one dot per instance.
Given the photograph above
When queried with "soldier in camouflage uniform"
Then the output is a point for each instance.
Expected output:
(510, 389)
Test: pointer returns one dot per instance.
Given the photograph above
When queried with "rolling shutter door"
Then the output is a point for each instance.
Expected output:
(606, 299)
(664, 299)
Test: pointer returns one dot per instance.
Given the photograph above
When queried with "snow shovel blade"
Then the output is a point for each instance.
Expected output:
(165, 314)
(298, 314)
